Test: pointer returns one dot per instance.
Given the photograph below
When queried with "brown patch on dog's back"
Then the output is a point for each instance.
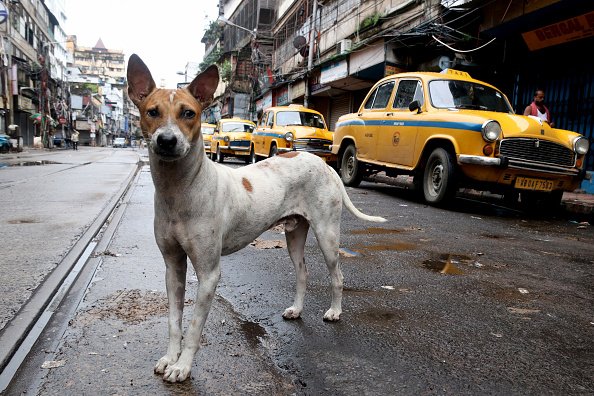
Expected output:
(290, 154)
(246, 184)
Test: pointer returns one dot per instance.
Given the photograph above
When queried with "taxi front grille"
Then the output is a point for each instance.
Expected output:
(312, 145)
(239, 143)
(536, 151)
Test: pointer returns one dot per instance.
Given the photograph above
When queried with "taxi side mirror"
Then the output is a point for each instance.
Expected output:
(415, 106)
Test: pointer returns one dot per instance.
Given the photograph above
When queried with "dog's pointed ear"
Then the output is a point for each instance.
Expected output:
(204, 85)
(140, 80)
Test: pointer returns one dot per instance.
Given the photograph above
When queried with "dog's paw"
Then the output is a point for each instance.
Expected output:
(163, 363)
(332, 315)
(177, 373)
(292, 313)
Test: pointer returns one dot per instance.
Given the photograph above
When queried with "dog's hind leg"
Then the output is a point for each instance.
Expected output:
(175, 282)
(296, 234)
(208, 273)
(327, 234)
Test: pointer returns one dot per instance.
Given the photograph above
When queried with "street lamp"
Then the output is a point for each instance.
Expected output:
(224, 21)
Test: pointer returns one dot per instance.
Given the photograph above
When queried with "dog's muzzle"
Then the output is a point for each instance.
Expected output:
(166, 142)
(166, 145)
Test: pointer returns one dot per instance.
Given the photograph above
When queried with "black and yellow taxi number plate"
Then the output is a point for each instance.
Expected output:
(527, 183)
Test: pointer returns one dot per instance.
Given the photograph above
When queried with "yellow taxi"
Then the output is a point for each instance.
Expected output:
(207, 132)
(292, 128)
(448, 131)
(232, 138)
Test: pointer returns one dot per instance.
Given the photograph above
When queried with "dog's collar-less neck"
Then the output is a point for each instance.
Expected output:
(181, 173)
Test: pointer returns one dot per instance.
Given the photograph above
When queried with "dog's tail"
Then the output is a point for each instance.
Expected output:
(351, 207)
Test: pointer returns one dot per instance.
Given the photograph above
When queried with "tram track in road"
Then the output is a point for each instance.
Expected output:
(19, 336)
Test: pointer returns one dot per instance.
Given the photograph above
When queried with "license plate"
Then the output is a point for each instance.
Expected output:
(527, 183)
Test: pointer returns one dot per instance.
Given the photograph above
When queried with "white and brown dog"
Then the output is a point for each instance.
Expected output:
(204, 210)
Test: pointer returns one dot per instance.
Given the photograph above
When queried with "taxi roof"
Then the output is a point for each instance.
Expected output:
(293, 107)
(449, 74)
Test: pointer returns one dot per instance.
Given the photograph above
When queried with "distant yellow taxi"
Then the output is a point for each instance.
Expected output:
(232, 138)
(207, 132)
(449, 130)
(292, 128)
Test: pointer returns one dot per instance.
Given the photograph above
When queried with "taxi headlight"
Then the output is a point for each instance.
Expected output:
(226, 139)
(581, 145)
(289, 136)
(491, 131)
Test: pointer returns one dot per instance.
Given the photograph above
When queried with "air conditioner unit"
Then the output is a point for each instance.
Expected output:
(343, 46)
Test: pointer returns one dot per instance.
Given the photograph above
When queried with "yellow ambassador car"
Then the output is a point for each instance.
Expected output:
(232, 138)
(207, 132)
(292, 128)
(449, 130)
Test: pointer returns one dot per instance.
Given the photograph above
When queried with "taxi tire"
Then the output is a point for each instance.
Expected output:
(350, 173)
(439, 182)
(220, 156)
(251, 159)
(273, 151)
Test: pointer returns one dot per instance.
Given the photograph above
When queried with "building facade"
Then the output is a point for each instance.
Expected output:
(49, 85)
(328, 53)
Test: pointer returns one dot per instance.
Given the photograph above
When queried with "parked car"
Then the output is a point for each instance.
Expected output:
(119, 142)
(5, 143)
(292, 128)
(449, 130)
(232, 138)
(207, 132)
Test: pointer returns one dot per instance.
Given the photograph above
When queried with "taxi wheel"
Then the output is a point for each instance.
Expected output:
(220, 156)
(350, 173)
(273, 151)
(439, 180)
(251, 159)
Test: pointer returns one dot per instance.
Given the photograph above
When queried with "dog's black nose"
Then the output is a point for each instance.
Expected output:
(166, 141)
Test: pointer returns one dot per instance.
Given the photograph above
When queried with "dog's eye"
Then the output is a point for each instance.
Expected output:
(153, 113)
(188, 114)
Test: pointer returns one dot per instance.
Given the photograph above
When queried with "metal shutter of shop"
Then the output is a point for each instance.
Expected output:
(340, 105)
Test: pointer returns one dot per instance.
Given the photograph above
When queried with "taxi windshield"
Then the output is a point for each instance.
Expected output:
(456, 94)
(207, 130)
(236, 127)
(286, 118)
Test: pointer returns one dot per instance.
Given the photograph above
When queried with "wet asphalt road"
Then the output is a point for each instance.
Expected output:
(477, 299)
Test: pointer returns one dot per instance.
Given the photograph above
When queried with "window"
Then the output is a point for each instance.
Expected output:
(408, 90)
(380, 96)
(467, 95)
(236, 127)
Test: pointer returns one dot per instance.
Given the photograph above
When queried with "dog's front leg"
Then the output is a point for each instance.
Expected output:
(208, 277)
(175, 281)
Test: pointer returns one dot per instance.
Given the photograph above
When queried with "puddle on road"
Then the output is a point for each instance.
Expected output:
(29, 163)
(382, 316)
(446, 264)
(376, 231)
(392, 246)
(23, 221)
(253, 332)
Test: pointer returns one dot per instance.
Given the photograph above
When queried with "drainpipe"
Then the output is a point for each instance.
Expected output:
(312, 34)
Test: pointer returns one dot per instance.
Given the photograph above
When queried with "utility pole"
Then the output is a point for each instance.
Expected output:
(312, 34)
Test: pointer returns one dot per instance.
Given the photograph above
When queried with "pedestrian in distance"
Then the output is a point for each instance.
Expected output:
(538, 108)
(74, 138)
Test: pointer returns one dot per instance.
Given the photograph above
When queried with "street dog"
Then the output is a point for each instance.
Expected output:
(205, 210)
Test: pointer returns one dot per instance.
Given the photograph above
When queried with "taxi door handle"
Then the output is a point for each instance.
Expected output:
(389, 114)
